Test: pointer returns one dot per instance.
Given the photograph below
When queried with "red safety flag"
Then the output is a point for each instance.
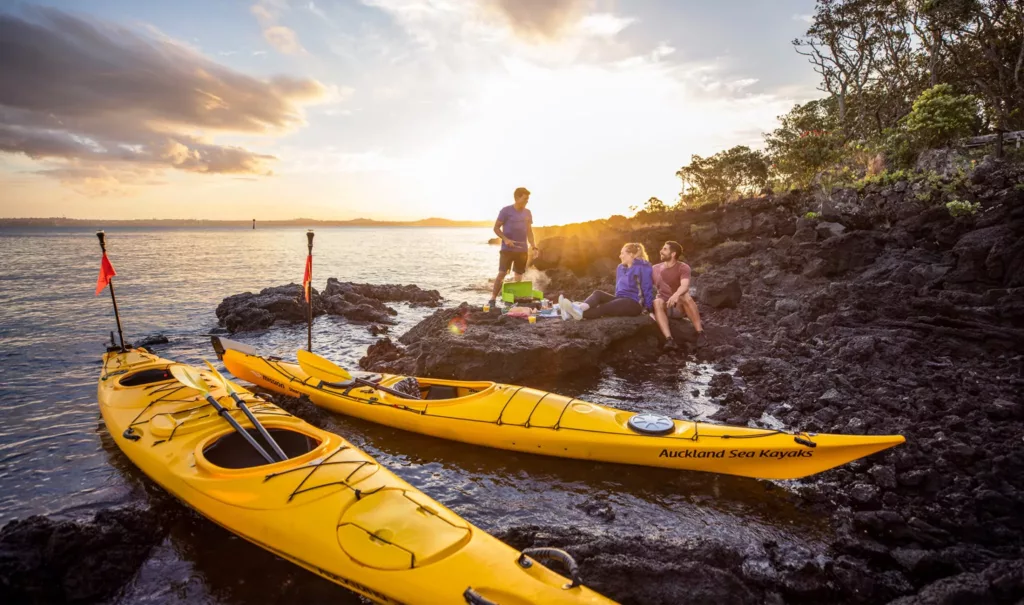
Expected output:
(308, 277)
(106, 272)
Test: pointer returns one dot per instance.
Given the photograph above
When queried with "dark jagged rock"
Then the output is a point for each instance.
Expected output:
(152, 340)
(414, 295)
(490, 346)
(720, 292)
(899, 318)
(248, 311)
(356, 302)
(42, 560)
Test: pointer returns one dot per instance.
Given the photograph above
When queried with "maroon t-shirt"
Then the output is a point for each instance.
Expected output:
(667, 279)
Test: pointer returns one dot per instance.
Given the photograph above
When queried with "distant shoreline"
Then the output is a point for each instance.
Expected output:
(299, 222)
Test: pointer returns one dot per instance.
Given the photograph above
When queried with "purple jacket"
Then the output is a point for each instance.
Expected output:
(636, 282)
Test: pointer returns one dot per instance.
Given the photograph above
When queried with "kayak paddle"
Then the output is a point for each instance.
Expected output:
(326, 370)
(245, 409)
(192, 379)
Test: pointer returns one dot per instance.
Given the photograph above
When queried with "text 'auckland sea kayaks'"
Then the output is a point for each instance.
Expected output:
(530, 420)
(319, 501)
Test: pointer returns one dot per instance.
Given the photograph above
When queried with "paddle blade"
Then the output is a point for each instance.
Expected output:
(190, 377)
(321, 368)
(223, 382)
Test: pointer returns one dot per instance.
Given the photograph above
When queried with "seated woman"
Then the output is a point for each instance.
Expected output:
(634, 290)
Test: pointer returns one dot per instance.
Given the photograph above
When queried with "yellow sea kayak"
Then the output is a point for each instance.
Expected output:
(328, 506)
(529, 420)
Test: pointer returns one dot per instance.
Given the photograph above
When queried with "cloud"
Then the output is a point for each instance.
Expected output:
(282, 38)
(100, 181)
(105, 99)
(604, 24)
(542, 19)
(804, 18)
(433, 23)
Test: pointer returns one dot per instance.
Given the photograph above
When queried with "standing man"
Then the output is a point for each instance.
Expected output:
(515, 228)
(672, 280)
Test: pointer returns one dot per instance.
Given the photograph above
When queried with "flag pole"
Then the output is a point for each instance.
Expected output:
(110, 283)
(309, 326)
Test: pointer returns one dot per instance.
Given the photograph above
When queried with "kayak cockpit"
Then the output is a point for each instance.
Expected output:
(146, 377)
(232, 451)
(438, 390)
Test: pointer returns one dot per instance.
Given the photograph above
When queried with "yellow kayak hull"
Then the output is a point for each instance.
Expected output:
(530, 420)
(329, 507)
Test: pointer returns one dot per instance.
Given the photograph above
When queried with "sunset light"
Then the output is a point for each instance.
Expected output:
(384, 109)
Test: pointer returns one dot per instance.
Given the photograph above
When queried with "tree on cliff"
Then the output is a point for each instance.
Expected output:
(722, 177)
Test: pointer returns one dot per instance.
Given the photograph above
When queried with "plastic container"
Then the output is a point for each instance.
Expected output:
(511, 290)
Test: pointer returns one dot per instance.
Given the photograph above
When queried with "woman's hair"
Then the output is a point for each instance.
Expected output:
(636, 249)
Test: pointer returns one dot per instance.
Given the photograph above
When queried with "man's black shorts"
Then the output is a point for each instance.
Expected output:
(515, 260)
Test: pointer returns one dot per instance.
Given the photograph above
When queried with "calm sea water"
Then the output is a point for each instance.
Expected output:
(56, 457)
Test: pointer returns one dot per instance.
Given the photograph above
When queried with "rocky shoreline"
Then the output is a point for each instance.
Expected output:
(287, 304)
(881, 314)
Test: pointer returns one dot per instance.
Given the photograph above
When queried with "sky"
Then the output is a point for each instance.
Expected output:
(382, 109)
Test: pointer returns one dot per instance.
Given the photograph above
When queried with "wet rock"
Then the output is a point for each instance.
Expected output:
(377, 330)
(719, 292)
(42, 560)
(926, 564)
(600, 510)
(513, 350)
(641, 570)
(287, 304)
(1000, 582)
(412, 294)
(884, 476)
(248, 311)
(865, 494)
(149, 341)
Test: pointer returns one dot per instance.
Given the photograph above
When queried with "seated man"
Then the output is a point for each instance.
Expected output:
(672, 280)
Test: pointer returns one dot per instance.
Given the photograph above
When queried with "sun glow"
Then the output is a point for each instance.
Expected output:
(588, 141)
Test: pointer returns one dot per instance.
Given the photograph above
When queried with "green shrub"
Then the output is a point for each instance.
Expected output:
(958, 208)
(940, 117)
(811, 215)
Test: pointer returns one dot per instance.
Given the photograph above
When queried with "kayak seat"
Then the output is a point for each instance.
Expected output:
(438, 391)
(145, 377)
(232, 451)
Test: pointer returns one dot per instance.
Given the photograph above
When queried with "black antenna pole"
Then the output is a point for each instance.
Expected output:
(309, 327)
(117, 316)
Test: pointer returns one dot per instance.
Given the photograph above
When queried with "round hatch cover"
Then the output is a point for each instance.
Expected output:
(651, 424)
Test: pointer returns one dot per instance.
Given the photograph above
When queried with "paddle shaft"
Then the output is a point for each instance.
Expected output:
(117, 315)
(259, 427)
(234, 424)
(309, 324)
(373, 385)
(385, 389)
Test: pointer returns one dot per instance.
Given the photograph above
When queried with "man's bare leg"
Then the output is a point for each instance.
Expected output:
(690, 308)
(661, 317)
(497, 284)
